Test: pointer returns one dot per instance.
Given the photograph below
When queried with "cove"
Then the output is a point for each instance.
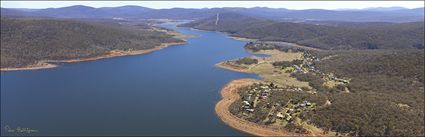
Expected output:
(171, 91)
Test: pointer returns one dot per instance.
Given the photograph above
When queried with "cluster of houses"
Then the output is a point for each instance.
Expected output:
(295, 89)
(256, 93)
(277, 113)
(290, 111)
(308, 66)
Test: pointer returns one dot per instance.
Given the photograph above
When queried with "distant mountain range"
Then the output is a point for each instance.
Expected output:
(390, 14)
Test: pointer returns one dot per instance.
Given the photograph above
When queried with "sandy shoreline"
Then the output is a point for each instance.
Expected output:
(229, 95)
(44, 65)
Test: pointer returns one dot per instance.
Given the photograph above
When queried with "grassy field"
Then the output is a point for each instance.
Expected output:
(277, 76)
(265, 69)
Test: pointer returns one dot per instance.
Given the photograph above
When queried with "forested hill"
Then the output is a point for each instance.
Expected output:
(26, 41)
(227, 22)
(385, 36)
(386, 92)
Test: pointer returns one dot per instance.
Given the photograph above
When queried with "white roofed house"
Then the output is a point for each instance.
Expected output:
(280, 115)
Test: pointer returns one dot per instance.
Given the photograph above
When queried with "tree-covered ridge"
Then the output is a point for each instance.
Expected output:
(386, 36)
(26, 41)
(386, 92)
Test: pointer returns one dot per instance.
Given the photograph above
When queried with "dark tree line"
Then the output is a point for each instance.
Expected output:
(259, 45)
(247, 61)
(284, 64)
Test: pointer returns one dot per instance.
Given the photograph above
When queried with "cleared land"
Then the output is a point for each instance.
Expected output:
(265, 69)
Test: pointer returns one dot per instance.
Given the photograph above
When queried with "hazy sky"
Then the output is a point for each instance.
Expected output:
(212, 4)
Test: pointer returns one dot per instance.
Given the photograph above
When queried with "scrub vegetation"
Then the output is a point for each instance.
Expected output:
(386, 93)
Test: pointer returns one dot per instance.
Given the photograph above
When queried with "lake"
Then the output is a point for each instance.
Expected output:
(171, 91)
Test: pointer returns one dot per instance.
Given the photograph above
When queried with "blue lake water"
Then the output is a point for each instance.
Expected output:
(171, 91)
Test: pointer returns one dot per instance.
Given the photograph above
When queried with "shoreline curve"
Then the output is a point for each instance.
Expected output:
(229, 95)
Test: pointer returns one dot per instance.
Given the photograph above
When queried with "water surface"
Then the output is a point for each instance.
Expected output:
(167, 92)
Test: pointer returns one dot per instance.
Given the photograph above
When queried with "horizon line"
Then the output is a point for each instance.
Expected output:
(291, 5)
(215, 7)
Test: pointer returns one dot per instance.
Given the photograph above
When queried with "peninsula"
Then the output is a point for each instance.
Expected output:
(238, 108)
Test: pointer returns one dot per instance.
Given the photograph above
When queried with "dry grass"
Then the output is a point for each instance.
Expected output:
(277, 76)
(281, 56)
(265, 69)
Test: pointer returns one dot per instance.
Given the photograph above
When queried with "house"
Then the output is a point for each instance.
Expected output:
(291, 110)
(280, 115)
(246, 103)
(250, 110)
(288, 118)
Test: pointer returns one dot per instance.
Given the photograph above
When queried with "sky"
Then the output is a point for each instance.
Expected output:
(212, 4)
